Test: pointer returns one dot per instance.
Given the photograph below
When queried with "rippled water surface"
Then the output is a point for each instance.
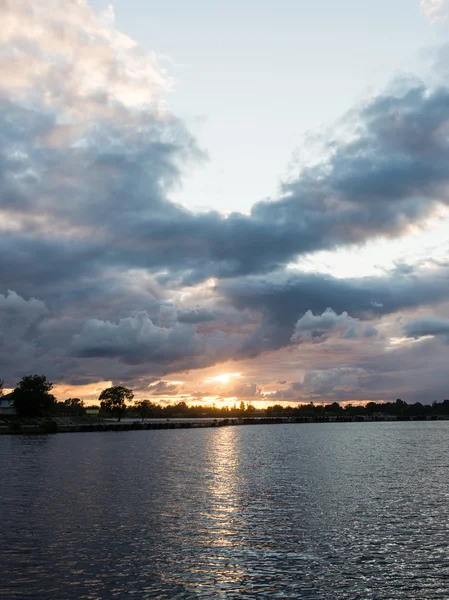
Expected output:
(307, 511)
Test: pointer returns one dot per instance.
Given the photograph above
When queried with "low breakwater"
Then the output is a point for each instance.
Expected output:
(68, 425)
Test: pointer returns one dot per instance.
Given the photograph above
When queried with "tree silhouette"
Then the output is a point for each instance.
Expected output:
(74, 406)
(32, 396)
(145, 408)
(113, 399)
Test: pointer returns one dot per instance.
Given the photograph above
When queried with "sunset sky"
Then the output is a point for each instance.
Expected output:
(216, 202)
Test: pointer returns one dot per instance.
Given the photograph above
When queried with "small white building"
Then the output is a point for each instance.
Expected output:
(7, 405)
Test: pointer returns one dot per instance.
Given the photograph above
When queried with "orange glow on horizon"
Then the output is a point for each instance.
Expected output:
(88, 392)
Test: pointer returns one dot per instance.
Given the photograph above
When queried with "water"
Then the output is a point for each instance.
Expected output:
(315, 511)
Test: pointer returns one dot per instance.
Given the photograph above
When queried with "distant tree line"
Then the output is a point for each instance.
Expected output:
(399, 408)
(147, 409)
(32, 398)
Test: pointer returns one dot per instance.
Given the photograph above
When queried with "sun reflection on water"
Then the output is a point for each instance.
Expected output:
(221, 516)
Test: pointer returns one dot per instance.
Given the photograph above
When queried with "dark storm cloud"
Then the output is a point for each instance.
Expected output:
(285, 297)
(290, 310)
(197, 315)
(429, 325)
(116, 177)
(18, 316)
(163, 388)
(136, 339)
(305, 307)
(392, 172)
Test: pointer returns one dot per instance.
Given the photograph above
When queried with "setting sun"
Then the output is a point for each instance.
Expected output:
(224, 378)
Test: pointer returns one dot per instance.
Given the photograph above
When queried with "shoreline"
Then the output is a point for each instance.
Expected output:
(45, 426)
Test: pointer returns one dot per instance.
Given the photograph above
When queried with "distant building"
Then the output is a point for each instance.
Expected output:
(7, 405)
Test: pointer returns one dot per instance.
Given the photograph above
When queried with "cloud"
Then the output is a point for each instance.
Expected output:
(197, 315)
(100, 139)
(163, 388)
(114, 281)
(323, 382)
(271, 311)
(18, 316)
(320, 327)
(284, 297)
(427, 326)
(89, 65)
(434, 10)
(244, 390)
(293, 392)
(391, 174)
(136, 340)
(20, 319)
(323, 385)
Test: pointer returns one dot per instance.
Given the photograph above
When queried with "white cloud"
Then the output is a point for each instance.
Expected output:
(434, 10)
(74, 60)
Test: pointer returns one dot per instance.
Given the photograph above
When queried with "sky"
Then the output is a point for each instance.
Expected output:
(213, 202)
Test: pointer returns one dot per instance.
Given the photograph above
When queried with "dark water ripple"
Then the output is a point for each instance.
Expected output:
(318, 511)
